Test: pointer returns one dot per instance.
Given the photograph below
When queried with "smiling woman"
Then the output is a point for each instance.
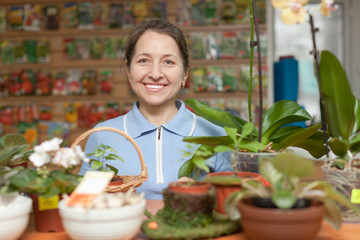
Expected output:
(157, 66)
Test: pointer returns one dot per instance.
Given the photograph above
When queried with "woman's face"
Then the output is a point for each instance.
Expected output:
(156, 71)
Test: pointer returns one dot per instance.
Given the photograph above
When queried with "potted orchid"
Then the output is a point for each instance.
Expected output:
(51, 177)
(340, 108)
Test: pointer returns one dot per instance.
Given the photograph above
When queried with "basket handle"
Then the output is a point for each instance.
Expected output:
(143, 173)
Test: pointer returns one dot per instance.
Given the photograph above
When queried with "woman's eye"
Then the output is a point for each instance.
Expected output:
(169, 62)
(142, 60)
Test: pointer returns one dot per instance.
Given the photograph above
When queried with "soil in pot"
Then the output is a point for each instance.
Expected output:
(271, 223)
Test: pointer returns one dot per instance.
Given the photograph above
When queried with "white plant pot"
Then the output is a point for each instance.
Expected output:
(102, 224)
(14, 217)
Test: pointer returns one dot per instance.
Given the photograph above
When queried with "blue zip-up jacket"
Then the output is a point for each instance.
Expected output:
(162, 147)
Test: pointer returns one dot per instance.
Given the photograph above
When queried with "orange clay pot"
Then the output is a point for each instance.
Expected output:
(223, 191)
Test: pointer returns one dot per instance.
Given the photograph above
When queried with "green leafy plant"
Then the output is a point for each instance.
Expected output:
(14, 151)
(276, 130)
(341, 108)
(53, 173)
(104, 153)
(284, 174)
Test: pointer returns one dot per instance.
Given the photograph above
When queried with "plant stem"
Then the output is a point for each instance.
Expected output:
(315, 53)
(254, 21)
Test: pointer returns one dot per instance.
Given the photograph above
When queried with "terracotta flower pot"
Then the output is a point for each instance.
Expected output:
(46, 214)
(276, 224)
(189, 187)
(223, 191)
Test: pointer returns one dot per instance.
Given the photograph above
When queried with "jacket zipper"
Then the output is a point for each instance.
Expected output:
(158, 144)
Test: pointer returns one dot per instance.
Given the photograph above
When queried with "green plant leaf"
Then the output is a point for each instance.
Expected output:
(224, 180)
(114, 157)
(290, 164)
(333, 214)
(222, 148)
(23, 178)
(230, 204)
(96, 165)
(211, 141)
(12, 140)
(248, 129)
(218, 117)
(283, 199)
(114, 169)
(99, 153)
(281, 113)
(337, 98)
(186, 169)
(355, 144)
(357, 117)
(338, 146)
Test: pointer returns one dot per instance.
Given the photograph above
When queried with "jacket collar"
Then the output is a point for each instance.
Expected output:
(183, 123)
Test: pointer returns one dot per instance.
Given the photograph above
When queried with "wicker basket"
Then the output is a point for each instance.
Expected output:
(129, 180)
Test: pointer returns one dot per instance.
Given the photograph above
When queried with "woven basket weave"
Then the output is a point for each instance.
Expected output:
(129, 180)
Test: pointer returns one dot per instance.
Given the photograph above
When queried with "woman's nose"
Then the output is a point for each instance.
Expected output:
(155, 72)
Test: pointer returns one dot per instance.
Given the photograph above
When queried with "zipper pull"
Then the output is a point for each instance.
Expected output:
(159, 133)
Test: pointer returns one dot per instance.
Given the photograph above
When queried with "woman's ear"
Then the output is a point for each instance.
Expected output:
(127, 72)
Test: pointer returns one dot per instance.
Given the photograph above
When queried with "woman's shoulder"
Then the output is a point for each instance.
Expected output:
(207, 128)
(116, 122)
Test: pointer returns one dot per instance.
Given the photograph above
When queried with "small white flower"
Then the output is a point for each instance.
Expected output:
(39, 158)
(80, 153)
(50, 145)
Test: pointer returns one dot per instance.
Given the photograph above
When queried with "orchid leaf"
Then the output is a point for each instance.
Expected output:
(357, 117)
(281, 113)
(338, 146)
(208, 140)
(218, 117)
(338, 100)
(355, 144)
(297, 137)
(224, 180)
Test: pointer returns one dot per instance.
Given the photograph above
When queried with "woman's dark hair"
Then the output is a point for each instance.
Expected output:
(161, 26)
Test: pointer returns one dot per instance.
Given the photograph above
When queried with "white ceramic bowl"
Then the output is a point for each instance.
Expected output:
(102, 224)
(14, 218)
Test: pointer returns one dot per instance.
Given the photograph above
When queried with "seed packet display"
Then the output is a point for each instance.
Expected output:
(217, 103)
(120, 47)
(198, 45)
(43, 51)
(233, 106)
(45, 112)
(51, 17)
(97, 114)
(264, 74)
(2, 20)
(215, 79)
(212, 16)
(16, 18)
(59, 83)
(33, 15)
(7, 53)
(213, 46)
(82, 48)
(244, 78)
(199, 79)
(263, 46)
(158, 10)
(228, 11)
(107, 79)
(128, 16)
(85, 16)
(110, 48)
(101, 13)
(198, 13)
(243, 11)
(116, 15)
(261, 9)
(96, 48)
(243, 45)
(30, 50)
(14, 84)
(4, 91)
(183, 12)
(70, 15)
(88, 82)
(43, 82)
(112, 110)
(229, 45)
(69, 48)
(141, 10)
(230, 79)
(30, 131)
(19, 52)
(60, 130)
(71, 114)
(28, 82)
(73, 82)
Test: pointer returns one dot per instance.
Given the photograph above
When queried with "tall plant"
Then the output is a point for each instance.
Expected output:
(274, 132)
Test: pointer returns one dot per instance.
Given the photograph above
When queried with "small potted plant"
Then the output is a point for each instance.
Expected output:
(115, 215)
(286, 201)
(14, 208)
(104, 154)
(52, 176)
